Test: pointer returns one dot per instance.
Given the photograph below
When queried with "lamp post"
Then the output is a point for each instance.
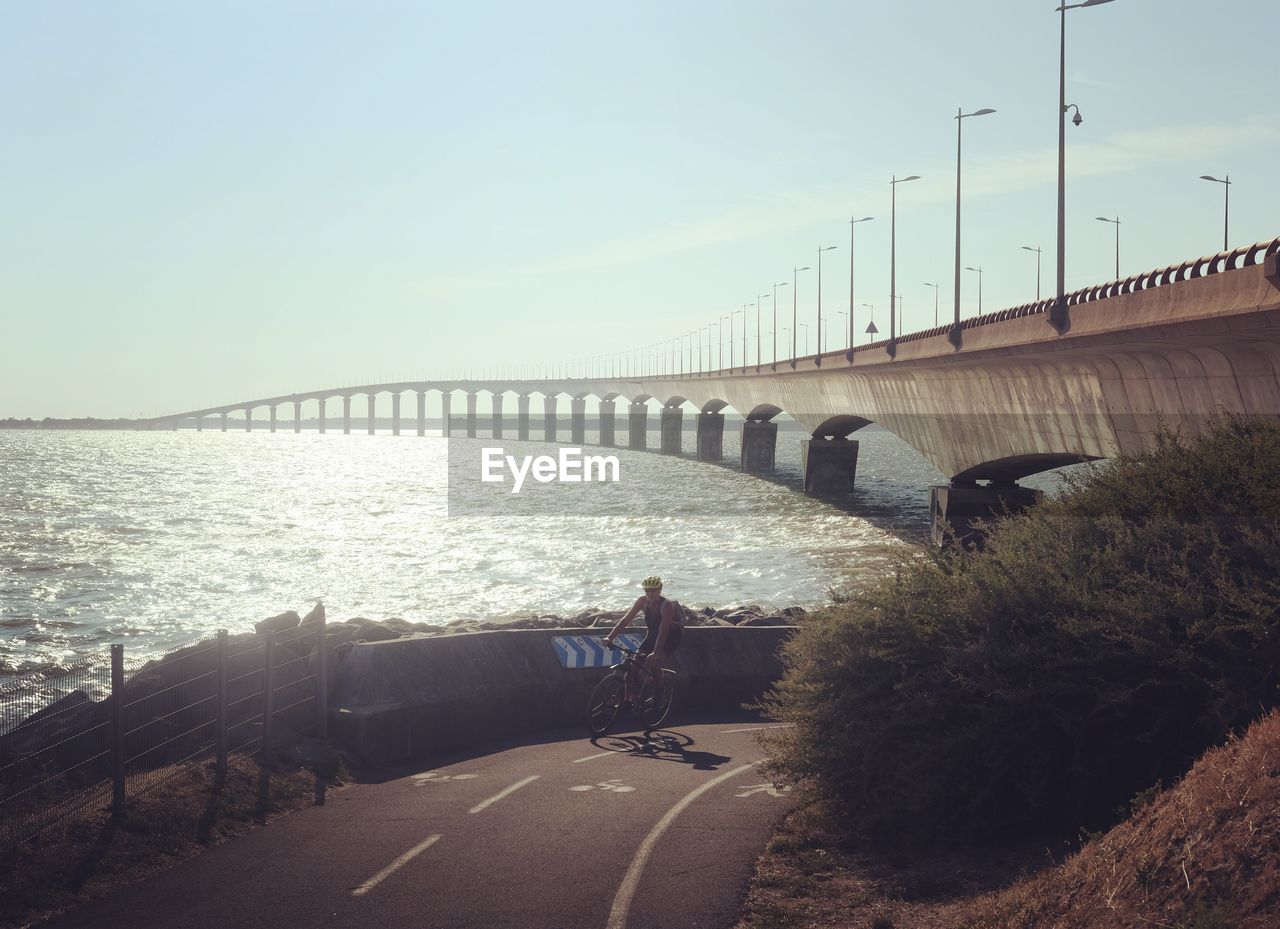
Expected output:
(979, 270)
(1115, 222)
(720, 330)
(852, 223)
(892, 347)
(805, 327)
(821, 249)
(961, 116)
(795, 327)
(846, 313)
(1058, 315)
(775, 323)
(936, 288)
(1037, 251)
(1226, 202)
(743, 313)
(871, 325)
(759, 297)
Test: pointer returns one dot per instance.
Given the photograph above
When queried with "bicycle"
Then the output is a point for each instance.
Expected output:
(655, 699)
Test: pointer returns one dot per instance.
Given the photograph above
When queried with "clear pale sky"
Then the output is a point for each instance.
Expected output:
(208, 202)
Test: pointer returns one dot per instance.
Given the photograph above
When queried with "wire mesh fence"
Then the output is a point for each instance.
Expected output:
(110, 727)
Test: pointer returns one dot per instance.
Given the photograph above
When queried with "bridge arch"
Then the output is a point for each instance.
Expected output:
(1014, 467)
(763, 412)
(839, 427)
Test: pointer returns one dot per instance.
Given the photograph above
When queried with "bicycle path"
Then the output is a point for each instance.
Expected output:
(622, 832)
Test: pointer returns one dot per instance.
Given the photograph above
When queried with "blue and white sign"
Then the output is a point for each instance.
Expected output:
(589, 651)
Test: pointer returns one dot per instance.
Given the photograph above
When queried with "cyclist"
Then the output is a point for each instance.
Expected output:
(665, 623)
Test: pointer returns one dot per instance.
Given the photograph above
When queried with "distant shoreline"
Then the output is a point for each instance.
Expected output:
(407, 424)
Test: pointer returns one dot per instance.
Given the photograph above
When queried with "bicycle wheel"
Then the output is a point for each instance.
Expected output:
(602, 708)
(656, 698)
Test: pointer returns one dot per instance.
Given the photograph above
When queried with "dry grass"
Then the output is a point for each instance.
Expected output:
(1202, 855)
(87, 858)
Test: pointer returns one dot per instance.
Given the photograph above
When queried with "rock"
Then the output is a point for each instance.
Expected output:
(400, 625)
(282, 623)
(764, 621)
(708, 611)
(376, 632)
(315, 616)
(794, 611)
(717, 622)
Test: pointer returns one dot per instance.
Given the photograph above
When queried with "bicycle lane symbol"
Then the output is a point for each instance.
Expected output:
(768, 789)
(613, 785)
(432, 777)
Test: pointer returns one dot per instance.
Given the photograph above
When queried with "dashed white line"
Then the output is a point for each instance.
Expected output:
(503, 793)
(590, 757)
(395, 866)
(631, 880)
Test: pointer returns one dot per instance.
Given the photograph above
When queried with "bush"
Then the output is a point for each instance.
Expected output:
(1100, 643)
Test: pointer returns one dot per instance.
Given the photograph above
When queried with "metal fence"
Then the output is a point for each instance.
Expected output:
(108, 729)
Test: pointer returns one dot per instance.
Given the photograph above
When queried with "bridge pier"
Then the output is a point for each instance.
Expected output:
(297, 415)
(373, 414)
(471, 415)
(395, 413)
(497, 415)
(671, 430)
(446, 414)
(829, 465)
(549, 419)
(422, 412)
(199, 424)
(248, 420)
(954, 507)
(710, 436)
(321, 404)
(273, 419)
(759, 442)
(224, 422)
(522, 417)
(346, 415)
(608, 421)
(578, 420)
(638, 426)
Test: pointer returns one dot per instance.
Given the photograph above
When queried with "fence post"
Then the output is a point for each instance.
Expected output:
(117, 731)
(322, 683)
(222, 701)
(268, 695)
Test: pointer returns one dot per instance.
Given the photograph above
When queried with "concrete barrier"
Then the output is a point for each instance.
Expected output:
(407, 698)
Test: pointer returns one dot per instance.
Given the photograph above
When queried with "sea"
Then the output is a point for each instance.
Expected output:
(159, 539)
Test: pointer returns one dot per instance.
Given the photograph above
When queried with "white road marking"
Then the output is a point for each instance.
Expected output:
(498, 796)
(771, 789)
(431, 777)
(395, 866)
(615, 784)
(591, 757)
(760, 728)
(631, 880)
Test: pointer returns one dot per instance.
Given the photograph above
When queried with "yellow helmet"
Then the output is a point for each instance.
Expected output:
(651, 582)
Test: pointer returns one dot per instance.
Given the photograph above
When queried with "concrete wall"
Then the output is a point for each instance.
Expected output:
(413, 697)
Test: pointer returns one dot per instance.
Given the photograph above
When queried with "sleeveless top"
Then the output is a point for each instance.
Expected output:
(653, 615)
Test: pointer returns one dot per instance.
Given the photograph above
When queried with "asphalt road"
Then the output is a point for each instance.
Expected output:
(623, 832)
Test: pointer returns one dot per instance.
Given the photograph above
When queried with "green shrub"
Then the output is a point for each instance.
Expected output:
(1099, 643)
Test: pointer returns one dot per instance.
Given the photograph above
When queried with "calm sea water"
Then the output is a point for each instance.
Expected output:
(157, 539)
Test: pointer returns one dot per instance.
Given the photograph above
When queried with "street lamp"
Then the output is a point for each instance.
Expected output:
(720, 330)
(961, 116)
(743, 313)
(795, 286)
(1037, 251)
(1058, 316)
(846, 313)
(821, 249)
(759, 297)
(979, 270)
(1115, 222)
(893, 257)
(775, 323)
(1226, 203)
(805, 327)
(935, 287)
(852, 223)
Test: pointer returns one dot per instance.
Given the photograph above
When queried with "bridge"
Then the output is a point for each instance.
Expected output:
(992, 400)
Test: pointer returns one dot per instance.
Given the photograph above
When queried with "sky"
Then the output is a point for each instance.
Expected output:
(205, 202)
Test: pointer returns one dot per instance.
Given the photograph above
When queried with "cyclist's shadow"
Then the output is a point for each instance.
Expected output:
(663, 745)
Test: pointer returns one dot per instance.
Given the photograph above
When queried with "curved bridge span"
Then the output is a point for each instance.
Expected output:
(1000, 397)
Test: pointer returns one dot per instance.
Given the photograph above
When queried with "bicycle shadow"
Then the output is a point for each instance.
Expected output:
(662, 745)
